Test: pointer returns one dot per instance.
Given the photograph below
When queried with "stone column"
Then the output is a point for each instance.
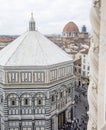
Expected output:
(102, 69)
(94, 63)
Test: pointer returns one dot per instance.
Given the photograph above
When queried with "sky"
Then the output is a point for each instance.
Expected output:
(50, 15)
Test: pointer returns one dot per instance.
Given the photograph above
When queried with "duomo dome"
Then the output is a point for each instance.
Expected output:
(70, 30)
(71, 27)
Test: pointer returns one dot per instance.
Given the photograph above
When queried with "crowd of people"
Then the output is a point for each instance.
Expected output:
(75, 125)
(78, 123)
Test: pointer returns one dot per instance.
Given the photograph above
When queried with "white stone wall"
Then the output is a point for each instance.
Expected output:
(28, 95)
(39, 106)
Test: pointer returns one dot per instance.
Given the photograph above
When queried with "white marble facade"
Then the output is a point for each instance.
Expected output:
(97, 88)
(36, 93)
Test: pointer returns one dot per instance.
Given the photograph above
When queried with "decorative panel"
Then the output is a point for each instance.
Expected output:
(38, 76)
(26, 77)
(13, 77)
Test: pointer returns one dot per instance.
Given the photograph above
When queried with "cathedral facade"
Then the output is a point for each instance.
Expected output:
(36, 84)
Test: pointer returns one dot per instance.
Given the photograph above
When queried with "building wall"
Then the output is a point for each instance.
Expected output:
(84, 66)
(29, 105)
(29, 108)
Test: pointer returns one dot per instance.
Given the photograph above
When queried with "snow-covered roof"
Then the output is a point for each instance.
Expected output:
(32, 49)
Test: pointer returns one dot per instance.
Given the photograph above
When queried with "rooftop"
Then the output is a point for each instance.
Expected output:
(32, 49)
(6, 39)
(85, 51)
(77, 62)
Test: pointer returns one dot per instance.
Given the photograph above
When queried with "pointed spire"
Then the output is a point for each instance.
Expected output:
(32, 23)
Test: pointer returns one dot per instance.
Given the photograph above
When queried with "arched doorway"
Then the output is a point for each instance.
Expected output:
(61, 119)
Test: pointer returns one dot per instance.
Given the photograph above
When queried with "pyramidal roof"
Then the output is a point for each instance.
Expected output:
(32, 49)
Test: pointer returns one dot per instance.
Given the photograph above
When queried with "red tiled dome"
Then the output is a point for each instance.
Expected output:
(71, 27)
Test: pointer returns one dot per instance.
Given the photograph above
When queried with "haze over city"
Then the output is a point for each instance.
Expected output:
(50, 16)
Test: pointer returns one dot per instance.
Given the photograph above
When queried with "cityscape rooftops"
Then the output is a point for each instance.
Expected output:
(5, 39)
(85, 51)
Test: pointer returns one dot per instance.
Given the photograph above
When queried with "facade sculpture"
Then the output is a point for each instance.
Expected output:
(93, 61)
(102, 70)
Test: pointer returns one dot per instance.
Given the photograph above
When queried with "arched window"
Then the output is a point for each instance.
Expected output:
(26, 99)
(53, 98)
(61, 94)
(13, 100)
(39, 102)
(39, 99)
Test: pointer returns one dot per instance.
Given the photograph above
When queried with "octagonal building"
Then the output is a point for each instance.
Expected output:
(36, 83)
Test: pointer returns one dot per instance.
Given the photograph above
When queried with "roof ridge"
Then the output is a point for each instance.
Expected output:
(41, 47)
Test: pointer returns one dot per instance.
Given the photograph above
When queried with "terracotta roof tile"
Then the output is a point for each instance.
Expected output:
(71, 27)
(77, 62)
(85, 51)
(6, 39)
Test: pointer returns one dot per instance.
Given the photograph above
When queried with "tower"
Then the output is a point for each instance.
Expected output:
(84, 30)
(32, 23)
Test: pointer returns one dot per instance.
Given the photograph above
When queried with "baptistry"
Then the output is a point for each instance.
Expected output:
(36, 83)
